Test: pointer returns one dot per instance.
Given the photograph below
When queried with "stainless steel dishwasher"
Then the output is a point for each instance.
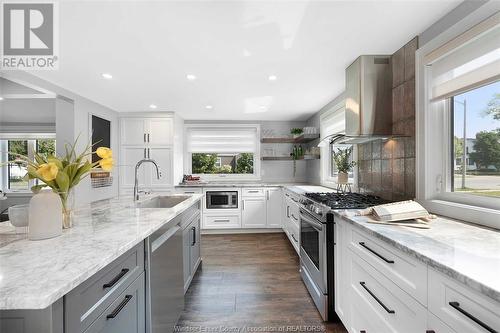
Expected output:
(164, 279)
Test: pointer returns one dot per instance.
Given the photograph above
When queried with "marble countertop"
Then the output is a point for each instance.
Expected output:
(34, 274)
(240, 184)
(462, 251)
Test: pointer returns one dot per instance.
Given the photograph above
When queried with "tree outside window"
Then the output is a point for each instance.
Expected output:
(214, 163)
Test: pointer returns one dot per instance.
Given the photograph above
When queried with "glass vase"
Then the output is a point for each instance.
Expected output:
(68, 208)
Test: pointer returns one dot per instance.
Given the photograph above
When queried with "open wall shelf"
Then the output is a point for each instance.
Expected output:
(287, 158)
(304, 138)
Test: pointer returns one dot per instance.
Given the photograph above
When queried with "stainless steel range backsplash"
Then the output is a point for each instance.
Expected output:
(387, 168)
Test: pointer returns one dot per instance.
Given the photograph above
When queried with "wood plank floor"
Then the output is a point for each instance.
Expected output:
(250, 281)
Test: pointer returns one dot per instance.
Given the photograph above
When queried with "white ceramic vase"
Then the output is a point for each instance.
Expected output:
(45, 215)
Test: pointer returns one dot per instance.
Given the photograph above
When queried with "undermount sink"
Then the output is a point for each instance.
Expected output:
(162, 201)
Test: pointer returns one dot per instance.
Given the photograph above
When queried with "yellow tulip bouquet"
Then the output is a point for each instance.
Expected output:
(62, 174)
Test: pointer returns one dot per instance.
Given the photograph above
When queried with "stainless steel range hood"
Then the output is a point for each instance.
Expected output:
(368, 106)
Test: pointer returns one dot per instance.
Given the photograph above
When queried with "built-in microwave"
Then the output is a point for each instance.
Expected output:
(222, 199)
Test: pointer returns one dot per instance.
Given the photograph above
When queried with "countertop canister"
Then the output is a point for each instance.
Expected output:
(45, 215)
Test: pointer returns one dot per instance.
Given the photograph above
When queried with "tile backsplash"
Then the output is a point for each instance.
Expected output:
(387, 167)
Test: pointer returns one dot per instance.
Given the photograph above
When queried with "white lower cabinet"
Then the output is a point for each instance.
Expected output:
(379, 289)
(274, 204)
(221, 221)
(460, 308)
(390, 308)
(253, 212)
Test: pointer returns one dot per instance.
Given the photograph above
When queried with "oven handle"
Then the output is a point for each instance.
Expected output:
(305, 216)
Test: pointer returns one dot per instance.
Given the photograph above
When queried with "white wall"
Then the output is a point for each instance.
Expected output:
(79, 120)
(274, 171)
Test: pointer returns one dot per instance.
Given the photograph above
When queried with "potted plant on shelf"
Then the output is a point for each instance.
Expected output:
(63, 174)
(296, 132)
(341, 158)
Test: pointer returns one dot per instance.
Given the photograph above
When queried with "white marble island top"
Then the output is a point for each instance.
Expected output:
(465, 252)
(34, 274)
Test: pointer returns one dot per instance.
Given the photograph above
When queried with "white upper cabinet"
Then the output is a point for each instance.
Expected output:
(274, 201)
(133, 131)
(150, 131)
(160, 131)
(149, 137)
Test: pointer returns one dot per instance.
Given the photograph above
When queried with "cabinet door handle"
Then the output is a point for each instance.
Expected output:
(287, 211)
(293, 217)
(119, 307)
(377, 254)
(457, 307)
(242, 204)
(145, 137)
(193, 229)
(363, 284)
(295, 200)
(144, 152)
(116, 278)
(267, 195)
(148, 137)
(295, 239)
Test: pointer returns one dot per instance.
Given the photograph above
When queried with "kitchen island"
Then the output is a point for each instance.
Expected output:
(35, 276)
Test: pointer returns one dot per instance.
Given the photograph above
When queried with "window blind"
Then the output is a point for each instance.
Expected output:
(473, 61)
(221, 139)
(333, 123)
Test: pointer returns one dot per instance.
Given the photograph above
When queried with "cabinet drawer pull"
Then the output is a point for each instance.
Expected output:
(363, 284)
(119, 307)
(457, 307)
(295, 239)
(116, 278)
(227, 220)
(362, 331)
(430, 331)
(295, 200)
(375, 253)
(188, 192)
(193, 229)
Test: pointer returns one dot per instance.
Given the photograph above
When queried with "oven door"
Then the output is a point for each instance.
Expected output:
(313, 249)
(222, 200)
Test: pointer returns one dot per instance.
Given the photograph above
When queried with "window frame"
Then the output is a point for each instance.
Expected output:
(328, 177)
(433, 139)
(231, 176)
(32, 146)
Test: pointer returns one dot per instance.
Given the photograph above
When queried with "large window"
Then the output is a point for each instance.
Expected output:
(223, 151)
(458, 121)
(12, 177)
(475, 123)
(224, 163)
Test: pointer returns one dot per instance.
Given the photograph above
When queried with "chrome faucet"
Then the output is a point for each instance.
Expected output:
(136, 181)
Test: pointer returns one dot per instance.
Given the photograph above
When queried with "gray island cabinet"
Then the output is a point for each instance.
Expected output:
(116, 297)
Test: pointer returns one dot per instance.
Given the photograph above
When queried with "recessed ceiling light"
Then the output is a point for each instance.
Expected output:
(262, 107)
(107, 76)
(273, 77)
(1, 98)
(191, 77)
(152, 106)
(209, 107)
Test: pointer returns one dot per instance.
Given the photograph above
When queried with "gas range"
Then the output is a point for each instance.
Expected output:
(319, 204)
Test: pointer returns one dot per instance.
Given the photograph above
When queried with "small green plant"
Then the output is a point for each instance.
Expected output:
(296, 131)
(341, 159)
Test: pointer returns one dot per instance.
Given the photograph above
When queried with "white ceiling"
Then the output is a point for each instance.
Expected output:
(232, 47)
